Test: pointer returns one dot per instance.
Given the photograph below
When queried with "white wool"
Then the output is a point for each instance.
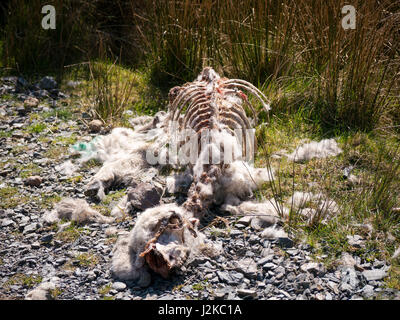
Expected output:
(75, 210)
(120, 143)
(126, 263)
(122, 208)
(44, 290)
(322, 149)
(325, 208)
(299, 199)
(220, 146)
(273, 233)
(241, 179)
(67, 168)
(396, 253)
(250, 208)
(179, 182)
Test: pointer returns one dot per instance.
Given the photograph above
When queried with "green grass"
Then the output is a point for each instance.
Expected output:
(370, 202)
(87, 260)
(11, 197)
(71, 233)
(30, 169)
(36, 128)
(24, 280)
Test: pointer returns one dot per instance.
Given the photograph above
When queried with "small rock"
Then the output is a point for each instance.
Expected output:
(7, 222)
(31, 103)
(312, 267)
(34, 181)
(374, 274)
(355, 241)
(349, 277)
(48, 83)
(285, 242)
(245, 220)
(31, 228)
(144, 196)
(95, 126)
(246, 293)
(246, 266)
(224, 276)
(119, 286)
(320, 296)
(46, 238)
(265, 259)
(219, 294)
(368, 291)
(35, 245)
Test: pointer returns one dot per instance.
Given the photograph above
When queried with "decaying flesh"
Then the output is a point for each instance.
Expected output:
(162, 239)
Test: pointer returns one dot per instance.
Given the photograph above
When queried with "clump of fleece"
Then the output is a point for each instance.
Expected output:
(44, 290)
(322, 149)
(176, 246)
(265, 216)
(77, 210)
(66, 168)
(179, 183)
(268, 208)
(316, 208)
(124, 156)
(239, 180)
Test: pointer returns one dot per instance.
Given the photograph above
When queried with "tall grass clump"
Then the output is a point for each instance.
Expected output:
(247, 39)
(30, 48)
(110, 89)
(355, 71)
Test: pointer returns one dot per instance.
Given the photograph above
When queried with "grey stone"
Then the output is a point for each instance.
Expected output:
(245, 220)
(246, 293)
(7, 222)
(246, 266)
(144, 196)
(31, 228)
(285, 242)
(47, 238)
(95, 126)
(355, 241)
(119, 286)
(265, 259)
(368, 291)
(48, 83)
(269, 266)
(239, 226)
(237, 277)
(34, 181)
(35, 245)
(349, 276)
(224, 276)
(374, 274)
(312, 267)
(219, 294)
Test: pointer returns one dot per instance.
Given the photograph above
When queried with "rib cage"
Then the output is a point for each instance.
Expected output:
(213, 103)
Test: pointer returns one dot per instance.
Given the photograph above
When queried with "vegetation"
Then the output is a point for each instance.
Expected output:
(323, 81)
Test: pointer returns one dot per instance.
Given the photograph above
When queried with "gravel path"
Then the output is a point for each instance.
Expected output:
(75, 262)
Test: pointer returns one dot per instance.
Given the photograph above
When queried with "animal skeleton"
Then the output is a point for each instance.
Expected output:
(213, 109)
(214, 104)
